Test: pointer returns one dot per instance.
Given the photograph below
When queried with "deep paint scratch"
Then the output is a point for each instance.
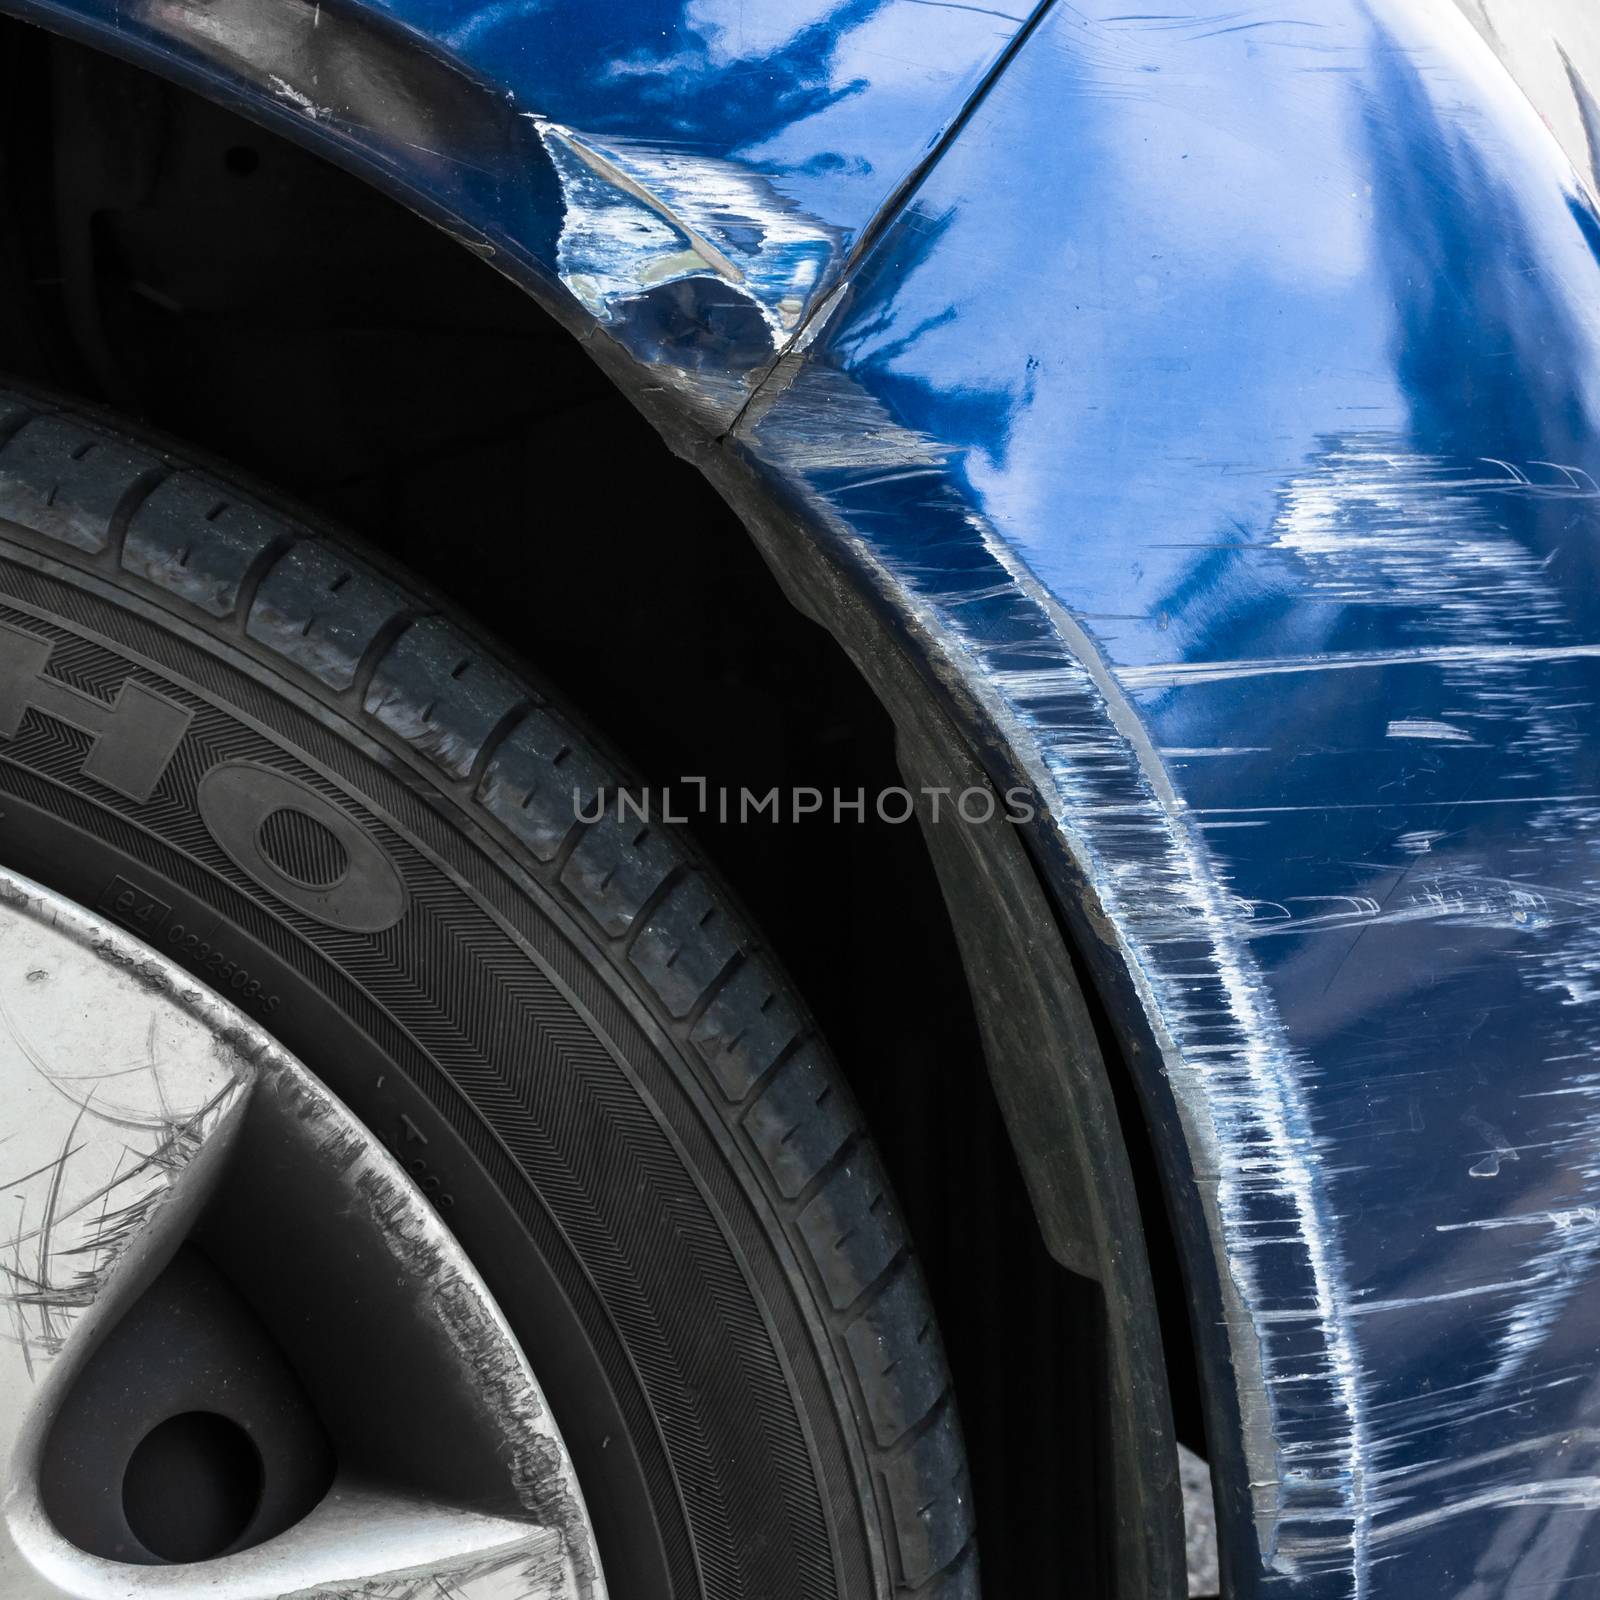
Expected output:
(639, 219)
(1236, 1079)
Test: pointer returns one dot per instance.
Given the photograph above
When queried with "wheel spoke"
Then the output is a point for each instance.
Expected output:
(116, 1106)
(359, 1539)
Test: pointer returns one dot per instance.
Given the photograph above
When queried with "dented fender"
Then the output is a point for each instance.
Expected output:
(1207, 402)
(684, 178)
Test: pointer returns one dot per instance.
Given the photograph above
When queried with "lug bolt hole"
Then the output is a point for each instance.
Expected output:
(192, 1487)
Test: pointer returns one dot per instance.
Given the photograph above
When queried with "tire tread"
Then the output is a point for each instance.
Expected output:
(324, 611)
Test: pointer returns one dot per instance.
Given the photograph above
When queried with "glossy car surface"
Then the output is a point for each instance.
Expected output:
(1208, 401)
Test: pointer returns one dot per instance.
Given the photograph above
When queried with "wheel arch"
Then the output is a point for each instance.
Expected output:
(410, 115)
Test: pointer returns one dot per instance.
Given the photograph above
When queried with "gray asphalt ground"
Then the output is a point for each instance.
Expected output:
(1199, 1523)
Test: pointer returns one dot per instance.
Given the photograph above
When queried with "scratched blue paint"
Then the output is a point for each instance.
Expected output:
(1218, 414)
(1277, 376)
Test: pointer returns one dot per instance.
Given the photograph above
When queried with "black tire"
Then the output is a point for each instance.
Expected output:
(209, 708)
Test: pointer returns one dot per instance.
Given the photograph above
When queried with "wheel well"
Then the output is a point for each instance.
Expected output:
(163, 256)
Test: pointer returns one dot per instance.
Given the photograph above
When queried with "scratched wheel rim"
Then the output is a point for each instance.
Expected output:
(177, 1184)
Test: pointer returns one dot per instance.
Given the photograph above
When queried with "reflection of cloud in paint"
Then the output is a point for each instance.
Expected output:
(487, 19)
(877, 138)
(735, 31)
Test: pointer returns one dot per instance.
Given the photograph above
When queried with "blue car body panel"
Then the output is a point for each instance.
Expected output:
(1210, 402)
(1240, 458)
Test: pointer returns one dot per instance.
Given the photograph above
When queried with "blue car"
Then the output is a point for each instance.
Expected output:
(799, 800)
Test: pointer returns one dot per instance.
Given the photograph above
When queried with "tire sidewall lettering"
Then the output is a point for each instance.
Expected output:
(237, 797)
